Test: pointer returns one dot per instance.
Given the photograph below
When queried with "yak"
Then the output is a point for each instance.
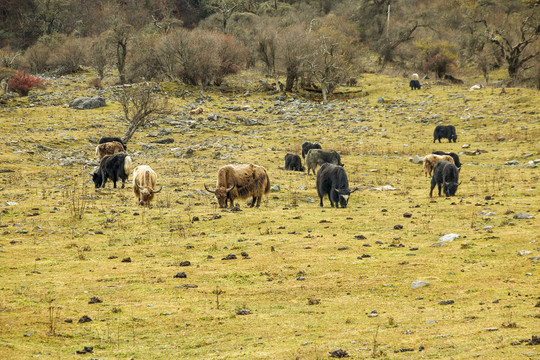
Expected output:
(308, 146)
(318, 157)
(106, 139)
(332, 180)
(115, 167)
(445, 174)
(241, 182)
(144, 184)
(453, 155)
(431, 159)
(109, 148)
(445, 131)
(293, 162)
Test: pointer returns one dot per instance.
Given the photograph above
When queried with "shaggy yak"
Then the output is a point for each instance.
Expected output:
(144, 183)
(241, 182)
(453, 155)
(106, 139)
(308, 146)
(109, 148)
(332, 180)
(115, 167)
(293, 162)
(431, 159)
(318, 157)
(443, 131)
(415, 83)
(445, 174)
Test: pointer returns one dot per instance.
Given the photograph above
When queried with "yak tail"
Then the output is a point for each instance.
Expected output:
(97, 151)
(267, 188)
(127, 165)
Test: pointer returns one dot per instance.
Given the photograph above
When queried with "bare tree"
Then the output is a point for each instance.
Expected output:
(328, 65)
(267, 47)
(140, 105)
(119, 35)
(225, 8)
(294, 44)
(99, 55)
(516, 46)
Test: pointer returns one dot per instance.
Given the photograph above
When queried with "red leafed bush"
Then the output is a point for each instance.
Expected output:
(23, 83)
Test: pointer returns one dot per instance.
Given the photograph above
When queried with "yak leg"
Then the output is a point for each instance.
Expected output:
(432, 187)
(258, 201)
(439, 186)
(321, 200)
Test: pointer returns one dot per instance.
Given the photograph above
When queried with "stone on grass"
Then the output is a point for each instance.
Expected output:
(523, 216)
(449, 237)
(419, 284)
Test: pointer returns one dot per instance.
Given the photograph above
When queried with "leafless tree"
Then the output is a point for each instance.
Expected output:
(327, 64)
(140, 105)
(119, 36)
(295, 44)
(267, 47)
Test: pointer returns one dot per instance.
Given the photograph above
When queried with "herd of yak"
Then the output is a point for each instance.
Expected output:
(249, 180)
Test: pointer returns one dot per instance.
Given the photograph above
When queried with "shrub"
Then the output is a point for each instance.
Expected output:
(37, 57)
(69, 56)
(22, 83)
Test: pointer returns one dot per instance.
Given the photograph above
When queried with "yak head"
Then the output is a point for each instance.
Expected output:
(98, 180)
(146, 195)
(343, 197)
(222, 194)
(450, 188)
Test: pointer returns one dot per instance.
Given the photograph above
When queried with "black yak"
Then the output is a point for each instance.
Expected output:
(293, 162)
(445, 131)
(445, 174)
(115, 167)
(308, 146)
(332, 180)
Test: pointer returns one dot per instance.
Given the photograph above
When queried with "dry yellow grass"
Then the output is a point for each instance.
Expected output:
(307, 291)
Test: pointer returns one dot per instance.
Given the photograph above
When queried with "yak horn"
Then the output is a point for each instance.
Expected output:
(459, 183)
(156, 191)
(210, 191)
(138, 186)
(353, 190)
(232, 187)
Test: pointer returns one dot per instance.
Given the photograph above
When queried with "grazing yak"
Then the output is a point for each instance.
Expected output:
(332, 180)
(431, 159)
(445, 174)
(144, 184)
(106, 139)
(453, 155)
(445, 131)
(308, 146)
(293, 162)
(415, 83)
(109, 148)
(115, 167)
(241, 181)
(318, 157)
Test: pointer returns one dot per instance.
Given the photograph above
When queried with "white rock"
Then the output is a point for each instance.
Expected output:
(449, 237)
(419, 284)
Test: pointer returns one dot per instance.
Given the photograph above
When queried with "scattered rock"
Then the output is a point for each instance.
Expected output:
(359, 237)
(398, 227)
(94, 300)
(523, 216)
(243, 312)
(524, 253)
(407, 215)
(84, 319)
(275, 188)
(126, 260)
(339, 353)
(184, 263)
(85, 103)
(532, 165)
(449, 237)
(417, 159)
(85, 350)
(512, 162)
(374, 313)
(419, 284)
(180, 275)
(229, 257)
(492, 329)
(163, 141)
(29, 333)
(446, 302)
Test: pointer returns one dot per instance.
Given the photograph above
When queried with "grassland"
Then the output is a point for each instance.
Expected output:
(305, 284)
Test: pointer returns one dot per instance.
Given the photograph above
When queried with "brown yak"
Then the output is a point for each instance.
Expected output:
(241, 181)
(109, 148)
(431, 159)
(144, 183)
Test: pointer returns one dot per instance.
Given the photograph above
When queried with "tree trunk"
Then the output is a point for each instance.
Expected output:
(324, 89)
(121, 53)
(131, 129)
(290, 81)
